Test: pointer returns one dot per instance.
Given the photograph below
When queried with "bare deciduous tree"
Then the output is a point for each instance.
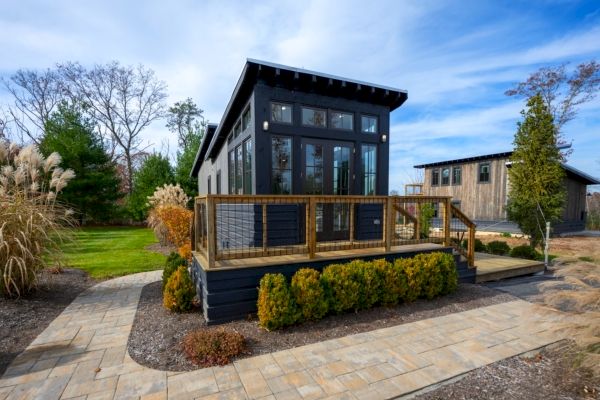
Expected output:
(36, 95)
(123, 100)
(562, 91)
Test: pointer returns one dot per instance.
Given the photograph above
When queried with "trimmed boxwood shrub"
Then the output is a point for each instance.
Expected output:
(393, 285)
(344, 283)
(480, 247)
(448, 271)
(179, 291)
(370, 283)
(525, 251)
(174, 261)
(309, 293)
(415, 278)
(276, 305)
(498, 247)
(432, 279)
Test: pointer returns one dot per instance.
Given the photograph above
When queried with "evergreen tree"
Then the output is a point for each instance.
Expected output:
(95, 188)
(536, 193)
(185, 162)
(155, 171)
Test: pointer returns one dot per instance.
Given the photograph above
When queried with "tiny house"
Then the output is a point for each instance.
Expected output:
(479, 186)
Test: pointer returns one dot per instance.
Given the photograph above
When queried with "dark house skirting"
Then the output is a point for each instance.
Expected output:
(231, 294)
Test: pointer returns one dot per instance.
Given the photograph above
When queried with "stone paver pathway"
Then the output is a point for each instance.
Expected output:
(82, 354)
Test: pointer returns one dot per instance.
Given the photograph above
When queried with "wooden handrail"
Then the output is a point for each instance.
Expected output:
(470, 253)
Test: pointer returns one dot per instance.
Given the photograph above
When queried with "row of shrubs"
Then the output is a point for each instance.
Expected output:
(311, 295)
(501, 248)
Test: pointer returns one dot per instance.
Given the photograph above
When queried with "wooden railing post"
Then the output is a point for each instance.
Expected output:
(264, 227)
(471, 246)
(388, 222)
(352, 227)
(447, 219)
(211, 231)
(312, 227)
(195, 226)
(418, 221)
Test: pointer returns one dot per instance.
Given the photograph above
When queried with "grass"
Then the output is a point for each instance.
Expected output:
(106, 252)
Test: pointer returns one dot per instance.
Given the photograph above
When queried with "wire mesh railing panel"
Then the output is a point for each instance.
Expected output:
(419, 220)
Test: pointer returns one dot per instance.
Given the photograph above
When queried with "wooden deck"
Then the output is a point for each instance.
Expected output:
(319, 257)
(491, 267)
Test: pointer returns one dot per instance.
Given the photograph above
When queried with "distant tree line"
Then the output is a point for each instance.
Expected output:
(95, 118)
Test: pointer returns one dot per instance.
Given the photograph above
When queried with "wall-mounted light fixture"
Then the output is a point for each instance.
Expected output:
(265, 125)
(383, 138)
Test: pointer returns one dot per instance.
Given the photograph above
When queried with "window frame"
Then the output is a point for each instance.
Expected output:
(348, 113)
(237, 128)
(364, 173)
(247, 112)
(231, 171)
(290, 164)
(456, 168)
(281, 103)
(433, 171)
(302, 108)
(218, 188)
(208, 185)
(375, 117)
(442, 176)
(247, 181)
(489, 173)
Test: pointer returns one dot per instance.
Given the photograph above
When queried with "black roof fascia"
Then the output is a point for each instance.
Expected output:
(296, 79)
(208, 135)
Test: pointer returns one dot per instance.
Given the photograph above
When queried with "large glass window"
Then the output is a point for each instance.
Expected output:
(484, 172)
(341, 120)
(314, 117)
(446, 176)
(246, 119)
(239, 170)
(368, 124)
(456, 175)
(369, 168)
(231, 172)
(219, 182)
(281, 165)
(281, 112)
(435, 177)
(313, 180)
(237, 129)
(247, 145)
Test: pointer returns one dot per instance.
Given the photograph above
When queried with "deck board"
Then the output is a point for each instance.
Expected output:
(491, 267)
(321, 256)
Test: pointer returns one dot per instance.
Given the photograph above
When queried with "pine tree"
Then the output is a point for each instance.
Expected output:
(154, 172)
(536, 187)
(95, 189)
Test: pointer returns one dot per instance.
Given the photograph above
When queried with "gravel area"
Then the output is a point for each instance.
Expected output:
(23, 319)
(549, 375)
(156, 334)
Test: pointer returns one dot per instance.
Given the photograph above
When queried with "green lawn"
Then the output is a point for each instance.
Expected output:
(112, 251)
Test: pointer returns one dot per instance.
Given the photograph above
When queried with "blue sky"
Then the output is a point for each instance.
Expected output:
(455, 58)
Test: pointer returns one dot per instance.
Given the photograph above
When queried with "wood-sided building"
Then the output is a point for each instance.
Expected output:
(479, 187)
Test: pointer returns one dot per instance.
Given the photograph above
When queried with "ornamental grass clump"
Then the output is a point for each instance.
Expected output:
(164, 200)
(310, 294)
(215, 346)
(32, 221)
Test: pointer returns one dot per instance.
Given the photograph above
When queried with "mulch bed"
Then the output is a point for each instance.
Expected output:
(549, 375)
(155, 339)
(23, 319)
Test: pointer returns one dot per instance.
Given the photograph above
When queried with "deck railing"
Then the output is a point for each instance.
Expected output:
(230, 227)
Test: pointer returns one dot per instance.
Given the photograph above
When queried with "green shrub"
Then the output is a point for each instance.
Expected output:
(179, 291)
(447, 267)
(525, 251)
(309, 294)
(369, 280)
(344, 287)
(208, 347)
(393, 285)
(414, 277)
(505, 234)
(498, 247)
(430, 267)
(276, 305)
(479, 245)
(174, 261)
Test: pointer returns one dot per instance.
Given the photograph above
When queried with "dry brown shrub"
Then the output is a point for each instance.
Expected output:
(32, 222)
(213, 346)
